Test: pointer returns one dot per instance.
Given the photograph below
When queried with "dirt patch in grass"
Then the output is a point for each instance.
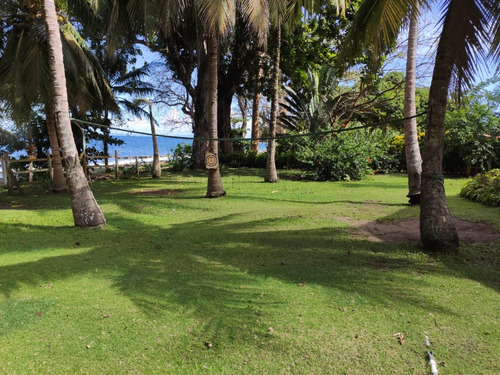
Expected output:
(13, 206)
(157, 192)
(408, 231)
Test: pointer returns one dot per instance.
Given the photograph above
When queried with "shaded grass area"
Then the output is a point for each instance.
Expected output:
(265, 280)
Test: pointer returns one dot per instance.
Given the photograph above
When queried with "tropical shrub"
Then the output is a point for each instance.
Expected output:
(349, 155)
(181, 158)
(472, 142)
(484, 188)
(285, 159)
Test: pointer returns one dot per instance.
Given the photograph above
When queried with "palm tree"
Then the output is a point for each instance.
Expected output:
(86, 211)
(24, 73)
(271, 173)
(412, 149)
(254, 146)
(214, 186)
(156, 172)
(469, 28)
(214, 20)
(58, 178)
(283, 12)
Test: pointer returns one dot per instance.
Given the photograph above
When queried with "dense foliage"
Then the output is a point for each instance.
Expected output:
(484, 188)
(181, 158)
(473, 131)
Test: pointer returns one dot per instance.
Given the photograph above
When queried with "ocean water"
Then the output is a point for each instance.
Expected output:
(134, 145)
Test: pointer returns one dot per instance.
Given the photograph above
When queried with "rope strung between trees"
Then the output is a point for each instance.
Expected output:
(434, 177)
(285, 136)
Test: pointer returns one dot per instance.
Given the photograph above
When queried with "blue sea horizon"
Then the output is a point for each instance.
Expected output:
(137, 145)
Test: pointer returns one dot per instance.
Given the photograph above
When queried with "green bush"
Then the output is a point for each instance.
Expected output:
(346, 156)
(249, 159)
(472, 142)
(484, 188)
(181, 158)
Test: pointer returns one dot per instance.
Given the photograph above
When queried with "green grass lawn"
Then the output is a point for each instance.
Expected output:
(267, 280)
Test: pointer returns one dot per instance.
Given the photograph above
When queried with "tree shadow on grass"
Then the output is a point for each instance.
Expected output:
(229, 275)
(214, 267)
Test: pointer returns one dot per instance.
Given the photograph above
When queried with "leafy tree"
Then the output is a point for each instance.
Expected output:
(473, 131)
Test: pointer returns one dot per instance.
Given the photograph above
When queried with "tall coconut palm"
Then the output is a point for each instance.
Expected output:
(412, 149)
(214, 20)
(214, 186)
(24, 72)
(156, 172)
(271, 172)
(86, 211)
(470, 27)
(288, 13)
(58, 179)
(254, 146)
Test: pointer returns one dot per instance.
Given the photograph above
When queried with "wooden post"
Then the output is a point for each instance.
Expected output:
(116, 165)
(5, 159)
(137, 165)
(49, 163)
(30, 169)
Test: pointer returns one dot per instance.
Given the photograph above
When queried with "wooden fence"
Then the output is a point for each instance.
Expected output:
(44, 165)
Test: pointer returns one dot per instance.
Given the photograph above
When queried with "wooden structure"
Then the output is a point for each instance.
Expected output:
(9, 173)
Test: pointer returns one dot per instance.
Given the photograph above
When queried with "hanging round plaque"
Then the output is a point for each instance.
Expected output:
(211, 161)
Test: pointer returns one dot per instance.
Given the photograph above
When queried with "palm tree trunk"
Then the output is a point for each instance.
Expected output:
(243, 104)
(105, 141)
(58, 179)
(214, 186)
(412, 150)
(201, 127)
(271, 173)
(436, 226)
(156, 173)
(86, 211)
(254, 146)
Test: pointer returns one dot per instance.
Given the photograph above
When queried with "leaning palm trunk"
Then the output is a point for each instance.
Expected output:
(436, 227)
(214, 187)
(412, 150)
(156, 173)
(86, 211)
(58, 179)
(271, 173)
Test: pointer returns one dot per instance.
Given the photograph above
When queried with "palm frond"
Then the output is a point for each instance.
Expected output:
(469, 39)
(494, 9)
(256, 13)
(217, 16)
(135, 107)
(376, 26)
